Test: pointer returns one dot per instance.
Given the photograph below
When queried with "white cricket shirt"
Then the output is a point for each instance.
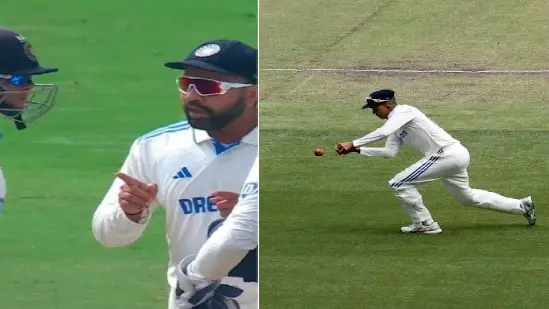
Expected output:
(231, 242)
(406, 125)
(184, 163)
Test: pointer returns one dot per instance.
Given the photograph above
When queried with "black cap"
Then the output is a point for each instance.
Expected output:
(379, 96)
(17, 57)
(223, 56)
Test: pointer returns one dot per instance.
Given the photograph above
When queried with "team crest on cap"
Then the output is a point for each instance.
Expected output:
(207, 50)
(28, 51)
(27, 48)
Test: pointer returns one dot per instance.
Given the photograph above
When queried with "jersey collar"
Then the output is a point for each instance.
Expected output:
(392, 113)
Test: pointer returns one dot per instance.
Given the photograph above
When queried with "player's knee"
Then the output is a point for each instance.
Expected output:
(399, 187)
(391, 184)
(397, 191)
(408, 196)
(465, 198)
(463, 195)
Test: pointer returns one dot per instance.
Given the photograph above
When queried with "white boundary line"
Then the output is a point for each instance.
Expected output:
(413, 71)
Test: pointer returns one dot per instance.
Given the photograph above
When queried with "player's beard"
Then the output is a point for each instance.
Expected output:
(214, 121)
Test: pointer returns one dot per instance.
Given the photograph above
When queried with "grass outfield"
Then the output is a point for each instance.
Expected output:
(113, 88)
(330, 225)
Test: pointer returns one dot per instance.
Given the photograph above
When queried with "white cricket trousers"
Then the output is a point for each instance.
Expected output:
(249, 304)
(2, 188)
(449, 164)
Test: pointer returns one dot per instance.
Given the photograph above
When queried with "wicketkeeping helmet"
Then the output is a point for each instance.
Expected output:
(17, 66)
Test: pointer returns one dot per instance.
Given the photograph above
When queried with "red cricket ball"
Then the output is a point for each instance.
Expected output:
(319, 152)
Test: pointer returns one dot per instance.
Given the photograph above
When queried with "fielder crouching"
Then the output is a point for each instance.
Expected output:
(445, 158)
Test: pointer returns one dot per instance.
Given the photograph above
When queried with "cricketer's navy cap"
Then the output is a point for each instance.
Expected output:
(17, 57)
(223, 56)
(379, 96)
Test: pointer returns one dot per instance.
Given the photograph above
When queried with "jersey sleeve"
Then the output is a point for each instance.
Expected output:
(230, 243)
(401, 117)
(390, 150)
(111, 227)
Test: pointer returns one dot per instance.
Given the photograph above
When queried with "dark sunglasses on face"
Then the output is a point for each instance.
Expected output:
(206, 87)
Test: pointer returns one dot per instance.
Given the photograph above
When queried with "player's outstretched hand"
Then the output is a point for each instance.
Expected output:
(224, 201)
(135, 196)
(345, 148)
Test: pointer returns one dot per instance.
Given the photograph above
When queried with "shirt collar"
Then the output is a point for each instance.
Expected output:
(392, 113)
(201, 135)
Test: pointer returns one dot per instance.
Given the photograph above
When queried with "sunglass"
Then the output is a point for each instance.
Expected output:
(18, 80)
(206, 87)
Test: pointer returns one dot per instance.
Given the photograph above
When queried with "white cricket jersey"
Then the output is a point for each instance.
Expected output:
(231, 242)
(185, 164)
(406, 125)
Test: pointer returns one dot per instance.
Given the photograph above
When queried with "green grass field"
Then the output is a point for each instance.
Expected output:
(330, 225)
(113, 88)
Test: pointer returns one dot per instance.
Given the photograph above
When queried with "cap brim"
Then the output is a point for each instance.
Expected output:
(183, 65)
(36, 71)
(370, 105)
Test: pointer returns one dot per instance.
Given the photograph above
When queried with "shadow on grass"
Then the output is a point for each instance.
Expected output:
(448, 229)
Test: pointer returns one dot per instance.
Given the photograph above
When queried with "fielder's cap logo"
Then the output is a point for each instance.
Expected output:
(222, 56)
(382, 95)
(27, 47)
(379, 96)
(28, 51)
(207, 50)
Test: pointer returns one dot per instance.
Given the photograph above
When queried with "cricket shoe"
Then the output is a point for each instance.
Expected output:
(432, 228)
(527, 204)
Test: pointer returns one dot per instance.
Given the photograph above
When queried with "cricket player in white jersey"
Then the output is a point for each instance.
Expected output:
(21, 101)
(192, 168)
(445, 158)
(231, 248)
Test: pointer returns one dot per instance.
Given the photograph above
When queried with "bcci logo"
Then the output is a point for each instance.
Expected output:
(28, 51)
(27, 48)
(207, 50)
(250, 188)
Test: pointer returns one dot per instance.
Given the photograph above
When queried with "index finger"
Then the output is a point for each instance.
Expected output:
(129, 180)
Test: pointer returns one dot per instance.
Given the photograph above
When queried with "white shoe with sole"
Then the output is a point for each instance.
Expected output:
(527, 204)
(432, 228)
